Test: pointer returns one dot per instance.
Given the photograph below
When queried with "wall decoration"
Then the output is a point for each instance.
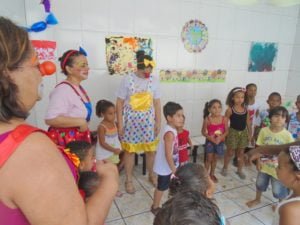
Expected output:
(120, 53)
(192, 76)
(194, 36)
(44, 49)
(262, 57)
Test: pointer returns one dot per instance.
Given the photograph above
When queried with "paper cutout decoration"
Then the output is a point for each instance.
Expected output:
(121, 53)
(44, 49)
(192, 76)
(262, 57)
(194, 36)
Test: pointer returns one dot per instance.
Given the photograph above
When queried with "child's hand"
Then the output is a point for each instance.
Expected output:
(118, 151)
(218, 140)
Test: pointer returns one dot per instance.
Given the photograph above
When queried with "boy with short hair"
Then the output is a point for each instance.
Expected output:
(276, 134)
(167, 158)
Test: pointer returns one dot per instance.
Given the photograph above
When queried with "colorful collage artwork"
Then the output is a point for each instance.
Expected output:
(262, 57)
(44, 49)
(188, 76)
(120, 53)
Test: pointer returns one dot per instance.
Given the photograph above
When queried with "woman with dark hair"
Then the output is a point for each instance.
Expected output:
(70, 109)
(36, 183)
(138, 116)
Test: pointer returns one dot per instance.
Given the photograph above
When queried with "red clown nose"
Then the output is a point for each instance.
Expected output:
(47, 68)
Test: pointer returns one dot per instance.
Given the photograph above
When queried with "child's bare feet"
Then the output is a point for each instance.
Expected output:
(119, 194)
(252, 203)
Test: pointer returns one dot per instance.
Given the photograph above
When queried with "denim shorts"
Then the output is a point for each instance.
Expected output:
(262, 183)
(163, 182)
(213, 148)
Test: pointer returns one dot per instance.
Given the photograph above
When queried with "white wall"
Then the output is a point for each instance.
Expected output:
(231, 30)
(293, 83)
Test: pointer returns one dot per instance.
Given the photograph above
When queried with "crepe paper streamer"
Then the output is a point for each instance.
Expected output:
(47, 5)
(47, 68)
(42, 25)
(285, 3)
(82, 51)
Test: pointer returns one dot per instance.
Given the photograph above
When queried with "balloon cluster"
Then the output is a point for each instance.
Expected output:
(42, 25)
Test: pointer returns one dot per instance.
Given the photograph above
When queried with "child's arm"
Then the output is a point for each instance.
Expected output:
(101, 136)
(204, 131)
(169, 139)
(228, 113)
(223, 136)
(249, 127)
(190, 142)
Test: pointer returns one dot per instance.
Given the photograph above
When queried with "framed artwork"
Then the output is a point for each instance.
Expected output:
(262, 57)
(194, 36)
(121, 53)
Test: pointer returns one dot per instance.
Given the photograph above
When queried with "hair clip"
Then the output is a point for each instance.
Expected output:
(295, 155)
(81, 50)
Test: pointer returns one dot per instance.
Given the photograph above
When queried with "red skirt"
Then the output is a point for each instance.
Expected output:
(62, 136)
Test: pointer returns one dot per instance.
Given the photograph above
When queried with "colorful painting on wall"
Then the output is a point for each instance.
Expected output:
(192, 76)
(120, 53)
(44, 49)
(194, 36)
(262, 57)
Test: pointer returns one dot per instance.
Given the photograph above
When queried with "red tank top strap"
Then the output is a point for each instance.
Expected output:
(14, 139)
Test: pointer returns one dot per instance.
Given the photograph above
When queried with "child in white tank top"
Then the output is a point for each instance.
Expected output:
(288, 172)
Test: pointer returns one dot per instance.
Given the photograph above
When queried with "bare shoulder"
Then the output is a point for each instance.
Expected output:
(37, 172)
(36, 155)
(289, 213)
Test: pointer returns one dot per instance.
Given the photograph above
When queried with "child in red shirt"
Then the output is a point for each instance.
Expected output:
(184, 142)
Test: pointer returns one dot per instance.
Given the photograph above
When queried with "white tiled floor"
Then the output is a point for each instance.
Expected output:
(231, 195)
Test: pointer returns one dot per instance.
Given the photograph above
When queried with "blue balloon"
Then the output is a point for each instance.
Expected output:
(50, 19)
(38, 26)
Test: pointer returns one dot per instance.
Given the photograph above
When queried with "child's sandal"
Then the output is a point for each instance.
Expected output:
(129, 187)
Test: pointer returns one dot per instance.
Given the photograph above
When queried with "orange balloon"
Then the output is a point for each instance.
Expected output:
(47, 68)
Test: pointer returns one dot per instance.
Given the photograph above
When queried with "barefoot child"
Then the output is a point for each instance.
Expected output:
(275, 134)
(108, 146)
(215, 129)
(239, 133)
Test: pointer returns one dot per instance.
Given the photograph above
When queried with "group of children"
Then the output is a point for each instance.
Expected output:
(243, 125)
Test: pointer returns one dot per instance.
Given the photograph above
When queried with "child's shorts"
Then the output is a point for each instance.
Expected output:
(262, 183)
(114, 159)
(213, 148)
(163, 182)
(237, 139)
